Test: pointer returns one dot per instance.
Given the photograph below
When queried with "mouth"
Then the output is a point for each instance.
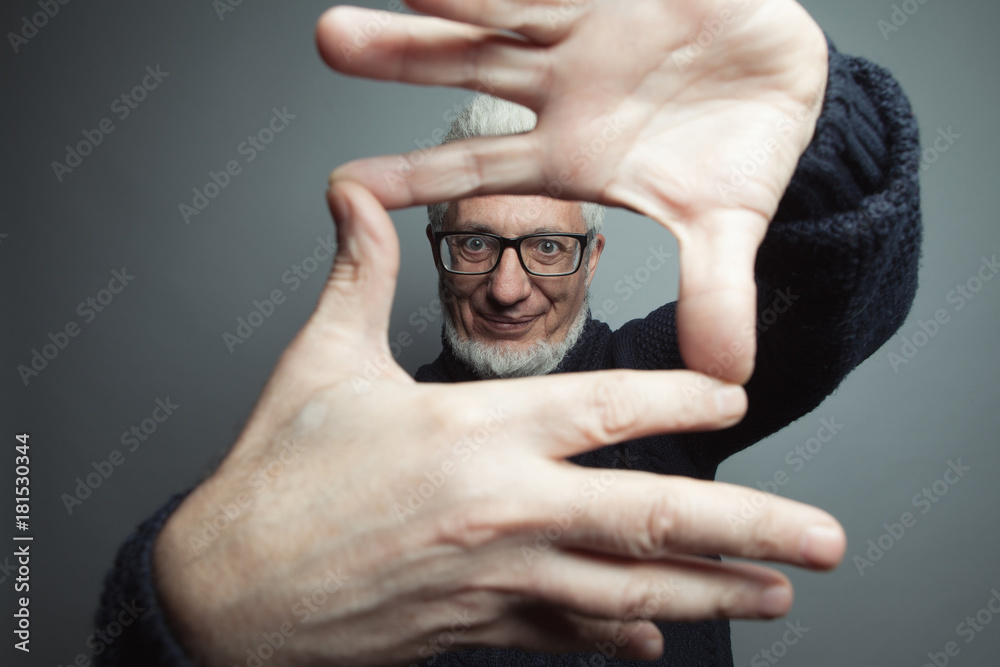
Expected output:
(509, 326)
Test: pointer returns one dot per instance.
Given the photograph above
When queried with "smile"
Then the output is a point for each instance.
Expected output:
(506, 325)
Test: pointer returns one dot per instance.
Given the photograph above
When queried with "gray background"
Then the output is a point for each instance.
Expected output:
(162, 336)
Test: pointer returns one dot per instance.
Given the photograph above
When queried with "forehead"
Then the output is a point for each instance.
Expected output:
(514, 215)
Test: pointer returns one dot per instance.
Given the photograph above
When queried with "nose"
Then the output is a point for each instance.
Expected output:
(509, 283)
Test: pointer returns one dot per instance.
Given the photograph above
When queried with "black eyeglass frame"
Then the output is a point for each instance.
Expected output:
(514, 243)
(505, 243)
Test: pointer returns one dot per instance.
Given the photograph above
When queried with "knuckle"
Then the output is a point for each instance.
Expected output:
(637, 601)
(690, 417)
(648, 599)
(478, 512)
(764, 538)
(669, 515)
(733, 601)
(470, 528)
(661, 526)
(614, 407)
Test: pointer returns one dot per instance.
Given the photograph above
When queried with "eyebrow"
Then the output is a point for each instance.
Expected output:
(473, 226)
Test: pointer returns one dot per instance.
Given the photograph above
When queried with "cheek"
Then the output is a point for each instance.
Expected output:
(459, 290)
(564, 295)
(459, 285)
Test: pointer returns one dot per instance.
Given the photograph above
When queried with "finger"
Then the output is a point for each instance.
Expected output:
(642, 515)
(542, 21)
(717, 297)
(545, 628)
(469, 168)
(676, 589)
(358, 294)
(568, 414)
(431, 51)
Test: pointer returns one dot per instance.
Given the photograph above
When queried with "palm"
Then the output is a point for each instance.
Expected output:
(633, 111)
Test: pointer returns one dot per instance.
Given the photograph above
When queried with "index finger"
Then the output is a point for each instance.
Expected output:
(468, 168)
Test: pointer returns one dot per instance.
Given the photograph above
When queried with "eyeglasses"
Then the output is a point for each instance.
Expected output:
(478, 253)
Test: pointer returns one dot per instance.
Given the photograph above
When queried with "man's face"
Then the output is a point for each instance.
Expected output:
(509, 307)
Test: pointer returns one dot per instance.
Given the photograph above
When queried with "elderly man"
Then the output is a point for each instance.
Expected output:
(459, 523)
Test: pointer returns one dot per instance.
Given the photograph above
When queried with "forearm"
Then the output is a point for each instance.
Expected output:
(837, 272)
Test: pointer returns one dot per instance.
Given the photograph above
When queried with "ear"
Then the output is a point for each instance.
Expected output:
(596, 248)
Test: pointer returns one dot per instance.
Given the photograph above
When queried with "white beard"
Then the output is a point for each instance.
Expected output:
(504, 359)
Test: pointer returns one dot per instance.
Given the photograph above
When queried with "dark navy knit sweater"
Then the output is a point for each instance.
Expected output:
(840, 257)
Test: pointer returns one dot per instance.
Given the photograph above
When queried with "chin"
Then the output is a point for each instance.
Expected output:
(490, 357)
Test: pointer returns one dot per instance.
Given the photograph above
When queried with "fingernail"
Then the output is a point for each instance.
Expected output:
(775, 601)
(730, 401)
(822, 546)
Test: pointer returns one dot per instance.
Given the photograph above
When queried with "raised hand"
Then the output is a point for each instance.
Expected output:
(370, 520)
(692, 112)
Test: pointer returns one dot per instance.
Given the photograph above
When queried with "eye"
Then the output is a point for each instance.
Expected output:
(474, 244)
(548, 247)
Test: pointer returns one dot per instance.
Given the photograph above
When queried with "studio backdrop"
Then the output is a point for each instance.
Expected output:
(164, 169)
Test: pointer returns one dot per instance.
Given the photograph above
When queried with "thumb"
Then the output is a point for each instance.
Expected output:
(357, 298)
(717, 300)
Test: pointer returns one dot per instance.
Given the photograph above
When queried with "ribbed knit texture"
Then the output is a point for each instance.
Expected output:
(843, 249)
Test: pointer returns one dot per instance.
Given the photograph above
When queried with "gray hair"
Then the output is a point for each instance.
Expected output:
(488, 116)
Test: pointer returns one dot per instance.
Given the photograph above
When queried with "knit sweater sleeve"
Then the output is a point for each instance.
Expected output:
(129, 586)
(837, 271)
